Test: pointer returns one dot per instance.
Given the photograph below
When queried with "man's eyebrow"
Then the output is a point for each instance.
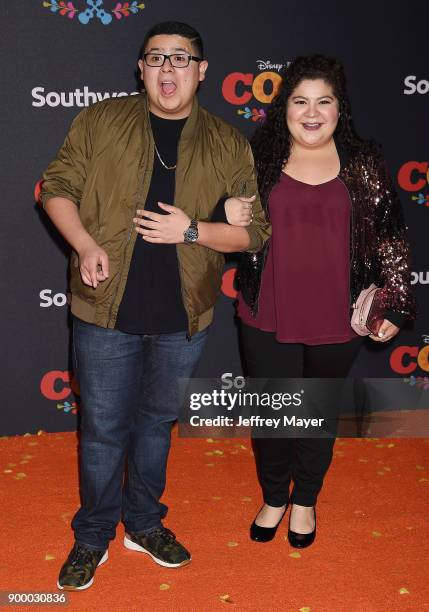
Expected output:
(152, 49)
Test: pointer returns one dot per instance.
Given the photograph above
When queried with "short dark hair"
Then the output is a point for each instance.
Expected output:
(175, 28)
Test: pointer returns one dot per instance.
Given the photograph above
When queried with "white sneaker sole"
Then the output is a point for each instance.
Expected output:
(88, 584)
(133, 546)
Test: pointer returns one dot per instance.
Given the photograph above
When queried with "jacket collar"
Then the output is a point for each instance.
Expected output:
(191, 124)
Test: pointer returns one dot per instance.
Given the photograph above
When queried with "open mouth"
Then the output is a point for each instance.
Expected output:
(312, 126)
(168, 88)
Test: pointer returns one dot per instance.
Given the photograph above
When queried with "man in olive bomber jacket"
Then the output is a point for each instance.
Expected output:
(133, 190)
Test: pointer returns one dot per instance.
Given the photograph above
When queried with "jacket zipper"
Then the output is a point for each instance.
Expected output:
(139, 199)
(188, 333)
(122, 268)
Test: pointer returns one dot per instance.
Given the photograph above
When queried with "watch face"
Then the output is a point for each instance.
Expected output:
(191, 234)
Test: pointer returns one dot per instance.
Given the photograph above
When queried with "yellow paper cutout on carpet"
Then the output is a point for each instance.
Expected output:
(20, 475)
(403, 591)
(305, 609)
(210, 440)
(164, 586)
(391, 445)
(295, 555)
(225, 599)
(8, 471)
(218, 452)
(49, 557)
(232, 544)
(376, 534)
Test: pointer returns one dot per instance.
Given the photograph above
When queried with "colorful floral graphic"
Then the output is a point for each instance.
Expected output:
(255, 114)
(94, 9)
(124, 10)
(422, 382)
(421, 198)
(70, 407)
(62, 8)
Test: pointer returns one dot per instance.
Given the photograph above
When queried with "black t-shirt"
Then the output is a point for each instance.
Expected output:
(152, 301)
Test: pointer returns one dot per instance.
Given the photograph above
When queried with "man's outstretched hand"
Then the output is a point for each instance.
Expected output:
(93, 264)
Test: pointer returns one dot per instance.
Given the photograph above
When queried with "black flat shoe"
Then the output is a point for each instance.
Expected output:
(264, 534)
(302, 540)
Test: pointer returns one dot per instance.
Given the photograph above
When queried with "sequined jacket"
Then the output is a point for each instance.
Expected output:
(379, 250)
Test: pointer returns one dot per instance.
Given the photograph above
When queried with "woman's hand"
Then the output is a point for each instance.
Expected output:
(239, 211)
(386, 332)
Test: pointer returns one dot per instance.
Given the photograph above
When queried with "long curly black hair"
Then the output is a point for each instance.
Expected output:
(271, 142)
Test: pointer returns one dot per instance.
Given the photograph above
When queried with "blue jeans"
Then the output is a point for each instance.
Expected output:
(130, 399)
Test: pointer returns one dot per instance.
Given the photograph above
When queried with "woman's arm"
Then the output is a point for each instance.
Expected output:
(393, 250)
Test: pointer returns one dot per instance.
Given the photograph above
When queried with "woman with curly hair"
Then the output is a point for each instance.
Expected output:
(337, 227)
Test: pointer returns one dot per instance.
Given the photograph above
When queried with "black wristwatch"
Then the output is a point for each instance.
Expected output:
(191, 234)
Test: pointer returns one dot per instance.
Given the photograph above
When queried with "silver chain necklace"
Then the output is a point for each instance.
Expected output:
(160, 159)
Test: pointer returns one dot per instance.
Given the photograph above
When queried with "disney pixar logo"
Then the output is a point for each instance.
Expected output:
(240, 88)
(94, 10)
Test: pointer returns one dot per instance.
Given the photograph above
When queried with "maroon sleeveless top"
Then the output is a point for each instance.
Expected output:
(304, 295)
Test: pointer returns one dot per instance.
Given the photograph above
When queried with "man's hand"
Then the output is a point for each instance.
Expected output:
(93, 264)
(162, 229)
(386, 332)
(239, 211)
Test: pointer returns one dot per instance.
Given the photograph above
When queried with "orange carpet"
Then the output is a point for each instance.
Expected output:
(370, 554)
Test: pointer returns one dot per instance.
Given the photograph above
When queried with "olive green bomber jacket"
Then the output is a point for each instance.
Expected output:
(105, 167)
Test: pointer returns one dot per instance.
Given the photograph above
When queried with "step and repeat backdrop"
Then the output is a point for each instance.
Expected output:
(59, 56)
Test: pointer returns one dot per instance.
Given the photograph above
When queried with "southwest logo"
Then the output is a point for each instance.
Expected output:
(94, 10)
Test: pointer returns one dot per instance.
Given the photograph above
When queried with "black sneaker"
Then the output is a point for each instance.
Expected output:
(161, 545)
(78, 571)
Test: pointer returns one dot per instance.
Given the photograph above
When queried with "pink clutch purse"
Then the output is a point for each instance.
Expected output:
(368, 311)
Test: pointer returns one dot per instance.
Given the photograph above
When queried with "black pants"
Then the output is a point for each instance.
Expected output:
(303, 460)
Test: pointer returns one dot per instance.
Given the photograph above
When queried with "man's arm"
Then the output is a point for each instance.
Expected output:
(93, 260)
(63, 184)
(169, 229)
(244, 183)
(66, 175)
(158, 228)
